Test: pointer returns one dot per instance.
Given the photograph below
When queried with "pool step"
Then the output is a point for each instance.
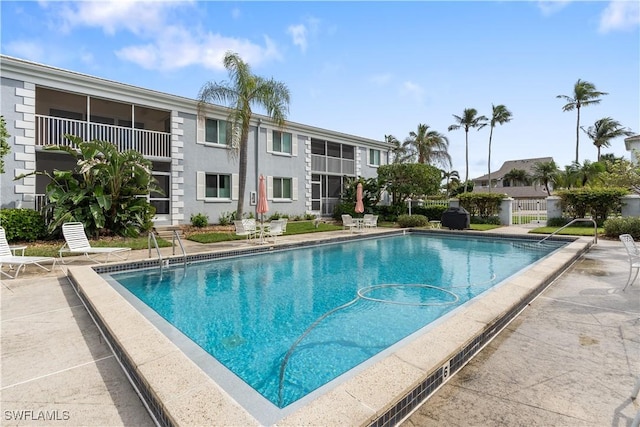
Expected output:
(166, 231)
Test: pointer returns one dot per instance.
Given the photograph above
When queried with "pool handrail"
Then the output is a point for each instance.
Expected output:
(595, 228)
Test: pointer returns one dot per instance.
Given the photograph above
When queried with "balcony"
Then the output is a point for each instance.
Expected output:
(51, 131)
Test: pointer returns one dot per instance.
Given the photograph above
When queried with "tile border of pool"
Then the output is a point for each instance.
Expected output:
(178, 392)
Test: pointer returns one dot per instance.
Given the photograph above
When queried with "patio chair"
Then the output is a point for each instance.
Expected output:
(246, 227)
(76, 242)
(634, 257)
(276, 228)
(348, 222)
(370, 221)
(8, 257)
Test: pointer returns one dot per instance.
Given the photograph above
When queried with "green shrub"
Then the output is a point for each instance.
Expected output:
(405, 221)
(558, 221)
(597, 202)
(226, 218)
(481, 204)
(389, 213)
(199, 220)
(491, 220)
(614, 227)
(23, 225)
(432, 212)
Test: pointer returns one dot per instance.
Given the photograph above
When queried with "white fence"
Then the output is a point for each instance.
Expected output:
(527, 211)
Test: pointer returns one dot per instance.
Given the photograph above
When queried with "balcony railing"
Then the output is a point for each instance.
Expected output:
(51, 131)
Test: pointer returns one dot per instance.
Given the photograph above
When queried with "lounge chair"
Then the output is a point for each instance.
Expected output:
(246, 227)
(7, 257)
(276, 228)
(634, 257)
(76, 242)
(348, 222)
(370, 221)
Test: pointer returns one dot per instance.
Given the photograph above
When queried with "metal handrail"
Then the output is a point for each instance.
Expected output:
(595, 228)
(152, 236)
(173, 244)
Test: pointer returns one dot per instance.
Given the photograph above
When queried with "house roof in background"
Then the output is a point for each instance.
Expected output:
(525, 192)
(524, 164)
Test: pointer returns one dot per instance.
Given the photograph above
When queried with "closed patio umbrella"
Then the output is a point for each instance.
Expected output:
(359, 204)
(262, 207)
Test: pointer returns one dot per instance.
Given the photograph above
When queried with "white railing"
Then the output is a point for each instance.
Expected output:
(51, 131)
(438, 202)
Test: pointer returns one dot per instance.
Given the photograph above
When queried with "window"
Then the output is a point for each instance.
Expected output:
(215, 132)
(217, 186)
(213, 187)
(282, 188)
(374, 157)
(282, 142)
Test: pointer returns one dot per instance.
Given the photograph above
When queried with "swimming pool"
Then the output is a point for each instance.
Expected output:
(288, 322)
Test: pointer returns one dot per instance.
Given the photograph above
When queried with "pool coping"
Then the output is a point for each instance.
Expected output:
(178, 392)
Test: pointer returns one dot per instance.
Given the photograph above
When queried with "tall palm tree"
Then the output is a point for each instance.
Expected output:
(545, 173)
(468, 120)
(584, 94)
(604, 130)
(499, 115)
(400, 152)
(451, 176)
(431, 146)
(243, 90)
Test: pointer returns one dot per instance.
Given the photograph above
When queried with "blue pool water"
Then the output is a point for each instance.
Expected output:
(288, 322)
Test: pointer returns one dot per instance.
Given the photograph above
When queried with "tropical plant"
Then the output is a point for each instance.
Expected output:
(544, 173)
(604, 130)
(409, 180)
(589, 172)
(400, 153)
(516, 177)
(499, 116)
(431, 146)
(4, 145)
(243, 91)
(468, 120)
(622, 173)
(584, 94)
(567, 178)
(451, 177)
(105, 190)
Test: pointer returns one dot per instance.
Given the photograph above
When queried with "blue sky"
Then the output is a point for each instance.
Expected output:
(368, 68)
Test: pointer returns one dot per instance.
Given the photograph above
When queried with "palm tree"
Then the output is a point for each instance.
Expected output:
(451, 177)
(604, 130)
(243, 90)
(545, 173)
(400, 152)
(589, 172)
(584, 93)
(431, 146)
(567, 178)
(500, 115)
(516, 176)
(468, 120)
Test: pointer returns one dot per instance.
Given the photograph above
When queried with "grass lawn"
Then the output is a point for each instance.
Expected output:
(51, 247)
(569, 231)
(297, 227)
(484, 227)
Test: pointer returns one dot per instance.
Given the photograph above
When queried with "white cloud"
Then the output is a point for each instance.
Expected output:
(620, 15)
(413, 90)
(163, 43)
(380, 79)
(31, 50)
(298, 35)
(235, 13)
(549, 7)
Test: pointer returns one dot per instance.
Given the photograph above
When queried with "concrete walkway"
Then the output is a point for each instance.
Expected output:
(569, 360)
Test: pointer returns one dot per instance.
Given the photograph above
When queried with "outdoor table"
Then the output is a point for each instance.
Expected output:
(435, 224)
(359, 222)
(262, 227)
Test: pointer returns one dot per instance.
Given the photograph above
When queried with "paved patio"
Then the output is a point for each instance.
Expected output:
(570, 359)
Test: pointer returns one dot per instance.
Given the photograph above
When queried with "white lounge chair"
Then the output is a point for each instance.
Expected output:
(634, 257)
(76, 242)
(348, 222)
(276, 228)
(370, 221)
(246, 227)
(21, 261)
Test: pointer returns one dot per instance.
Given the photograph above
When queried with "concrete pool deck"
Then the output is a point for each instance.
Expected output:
(569, 359)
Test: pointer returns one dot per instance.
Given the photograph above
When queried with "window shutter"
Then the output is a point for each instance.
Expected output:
(200, 185)
(294, 145)
(269, 188)
(294, 188)
(201, 126)
(235, 186)
(269, 141)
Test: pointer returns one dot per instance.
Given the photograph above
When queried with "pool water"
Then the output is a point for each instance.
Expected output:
(290, 321)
